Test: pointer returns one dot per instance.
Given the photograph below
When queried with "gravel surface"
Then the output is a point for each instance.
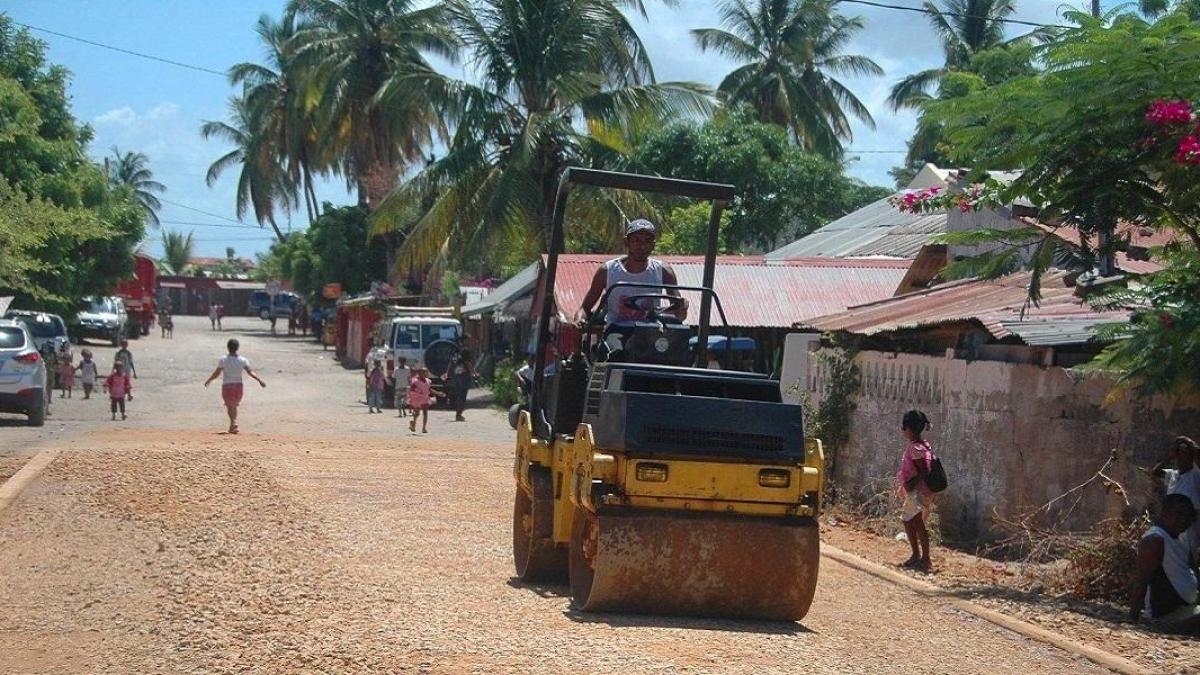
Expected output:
(324, 539)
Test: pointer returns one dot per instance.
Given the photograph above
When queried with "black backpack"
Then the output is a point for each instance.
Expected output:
(936, 479)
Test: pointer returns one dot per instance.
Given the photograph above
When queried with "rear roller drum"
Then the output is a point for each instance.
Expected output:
(534, 554)
(693, 564)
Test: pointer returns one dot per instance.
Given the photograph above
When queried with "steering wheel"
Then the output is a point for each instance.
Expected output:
(655, 313)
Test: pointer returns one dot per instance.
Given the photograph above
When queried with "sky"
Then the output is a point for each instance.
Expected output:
(156, 108)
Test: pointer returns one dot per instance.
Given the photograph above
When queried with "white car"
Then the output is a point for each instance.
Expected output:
(23, 377)
(428, 341)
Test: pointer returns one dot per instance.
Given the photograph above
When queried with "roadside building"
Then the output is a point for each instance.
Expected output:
(757, 300)
(1015, 420)
(194, 295)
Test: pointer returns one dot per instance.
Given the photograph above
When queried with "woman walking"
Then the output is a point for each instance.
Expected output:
(231, 367)
(459, 378)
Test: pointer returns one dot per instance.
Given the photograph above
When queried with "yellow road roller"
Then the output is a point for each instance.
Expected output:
(651, 483)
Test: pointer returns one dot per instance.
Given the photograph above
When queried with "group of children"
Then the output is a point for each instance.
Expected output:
(414, 392)
(117, 384)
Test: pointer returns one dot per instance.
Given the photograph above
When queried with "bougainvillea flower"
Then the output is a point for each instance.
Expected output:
(1188, 151)
(1164, 113)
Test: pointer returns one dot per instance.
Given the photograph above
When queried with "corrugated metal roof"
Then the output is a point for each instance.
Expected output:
(876, 229)
(754, 293)
(520, 283)
(1000, 305)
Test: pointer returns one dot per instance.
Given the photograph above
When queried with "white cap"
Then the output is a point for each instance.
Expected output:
(640, 225)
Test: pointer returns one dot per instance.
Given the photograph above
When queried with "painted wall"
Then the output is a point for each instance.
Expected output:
(1011, 436)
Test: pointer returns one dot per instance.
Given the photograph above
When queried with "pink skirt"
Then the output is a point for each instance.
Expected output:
(231, 393)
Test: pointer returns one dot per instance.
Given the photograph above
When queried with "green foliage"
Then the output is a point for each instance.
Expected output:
(685, 231)
(783, 192)
(64, 232)
(830, 422)
(335, 248)
(789, 56)
(561, 83)
(129, 171)
(177, 251)
(1160, 349)
(504, 387)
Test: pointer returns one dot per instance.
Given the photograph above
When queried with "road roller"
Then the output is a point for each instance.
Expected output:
(650, 483)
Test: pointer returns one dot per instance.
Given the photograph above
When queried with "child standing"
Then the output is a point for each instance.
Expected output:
(375, 383)
(914, 467)
(66, 372)
(119, 389)
(419, 388)
(402, 375)
(87, 373)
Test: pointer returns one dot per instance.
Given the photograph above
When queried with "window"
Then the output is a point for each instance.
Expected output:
(42, 326)
(431, 334)
(11, 338)
(406, 336)
(99, 306)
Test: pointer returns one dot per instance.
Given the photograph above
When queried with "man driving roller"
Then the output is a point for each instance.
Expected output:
(636, 266)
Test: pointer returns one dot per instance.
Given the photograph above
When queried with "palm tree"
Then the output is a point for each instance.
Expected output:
(790, 51)
(350, 49)
(279, 94)
(263, 183)
(177, 251)
(556, 78)
(966, 27)
(129, 169)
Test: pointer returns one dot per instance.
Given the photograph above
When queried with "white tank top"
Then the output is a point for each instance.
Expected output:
(616, 310)
(1175, 564)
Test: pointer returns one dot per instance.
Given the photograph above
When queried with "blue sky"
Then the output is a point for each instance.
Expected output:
(155, 108)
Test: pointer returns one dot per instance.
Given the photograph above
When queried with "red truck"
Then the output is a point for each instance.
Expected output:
(139, 296)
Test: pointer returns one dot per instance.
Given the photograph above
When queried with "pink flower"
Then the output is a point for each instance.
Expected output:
(1188, 151)
(1163, 113)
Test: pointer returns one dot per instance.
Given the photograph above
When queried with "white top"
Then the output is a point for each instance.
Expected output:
(212, 311)
(1187, 484)
(402, 375)
(87, 372)
(232, 366)
(615, 268)
(1175, 564)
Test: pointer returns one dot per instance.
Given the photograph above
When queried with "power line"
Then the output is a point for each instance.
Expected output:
(207, 213)
(876, 152)
(193, 223)
(922, 10)
(151, 57)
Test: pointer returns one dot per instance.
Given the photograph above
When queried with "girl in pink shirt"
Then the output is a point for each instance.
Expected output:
(419, 390)
(910, 484)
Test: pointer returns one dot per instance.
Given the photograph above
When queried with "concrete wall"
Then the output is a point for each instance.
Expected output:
(1011, 436)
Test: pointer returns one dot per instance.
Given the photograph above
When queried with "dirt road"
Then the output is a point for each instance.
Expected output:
(325, 539)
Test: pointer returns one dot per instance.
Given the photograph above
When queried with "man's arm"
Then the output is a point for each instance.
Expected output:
(599, 283)
(215, 374)
(1149, 558)
(669, 278)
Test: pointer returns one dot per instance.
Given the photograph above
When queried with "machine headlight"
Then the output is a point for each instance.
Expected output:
(652, 472)
(776, 478)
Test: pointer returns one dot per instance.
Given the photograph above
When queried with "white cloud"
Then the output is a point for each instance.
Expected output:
(123, 116)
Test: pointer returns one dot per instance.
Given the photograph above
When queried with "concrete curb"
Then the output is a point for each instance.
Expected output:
(928, 590)
(12, 487)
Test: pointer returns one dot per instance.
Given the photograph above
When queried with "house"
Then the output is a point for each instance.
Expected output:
(232, 268)
(1016, 421)
(193, 295)
(755, 299)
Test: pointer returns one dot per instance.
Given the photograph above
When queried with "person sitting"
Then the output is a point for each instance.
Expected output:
(1165, 586)
(636, 266)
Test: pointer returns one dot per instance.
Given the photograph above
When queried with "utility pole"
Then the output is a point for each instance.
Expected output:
(1107, 262)
(1096, 8)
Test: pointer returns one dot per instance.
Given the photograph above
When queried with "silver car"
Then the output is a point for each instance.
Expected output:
(23, 381)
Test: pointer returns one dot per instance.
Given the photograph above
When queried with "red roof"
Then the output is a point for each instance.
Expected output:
(753, 292)
(996, 304)
(1139, 236)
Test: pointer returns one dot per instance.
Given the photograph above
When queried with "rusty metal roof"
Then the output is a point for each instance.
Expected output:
(999, 305)
(753, 292)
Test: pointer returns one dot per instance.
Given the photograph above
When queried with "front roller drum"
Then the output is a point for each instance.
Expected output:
(535, 556)
(692, 564)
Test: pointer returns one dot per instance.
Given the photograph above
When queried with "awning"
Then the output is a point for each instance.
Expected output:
(238, 285)
(521, 282)
(171, 284)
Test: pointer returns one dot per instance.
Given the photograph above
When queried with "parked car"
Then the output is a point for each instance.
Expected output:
(285, 304)
(24, 384)
(100, 317)
(429, 341)
(44, 327)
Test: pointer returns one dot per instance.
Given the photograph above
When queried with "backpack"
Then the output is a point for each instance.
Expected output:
(936, 479)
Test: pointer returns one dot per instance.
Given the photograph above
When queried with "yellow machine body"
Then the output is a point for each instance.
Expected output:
(689, 535)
